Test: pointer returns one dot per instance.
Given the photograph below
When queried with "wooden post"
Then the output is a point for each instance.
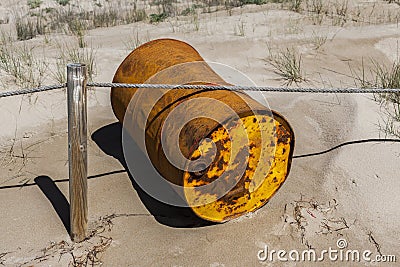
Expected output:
(77, 149)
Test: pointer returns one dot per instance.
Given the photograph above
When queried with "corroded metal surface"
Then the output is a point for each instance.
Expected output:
(250, 169)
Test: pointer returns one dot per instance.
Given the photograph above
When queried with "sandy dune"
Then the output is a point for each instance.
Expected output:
(351, 192)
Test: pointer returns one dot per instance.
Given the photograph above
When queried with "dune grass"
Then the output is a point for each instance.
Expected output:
(389, 77)
(68, 53)
(287, 63)
(21, 63)
(383, 76)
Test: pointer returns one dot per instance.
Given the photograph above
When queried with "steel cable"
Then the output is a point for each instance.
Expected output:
(211, 87)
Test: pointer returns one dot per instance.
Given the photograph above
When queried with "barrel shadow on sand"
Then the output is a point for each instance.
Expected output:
(109, 140)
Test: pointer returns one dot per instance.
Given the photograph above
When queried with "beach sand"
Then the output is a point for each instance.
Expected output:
(350, 193)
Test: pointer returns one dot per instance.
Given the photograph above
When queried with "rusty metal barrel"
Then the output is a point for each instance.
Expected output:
(236, 159)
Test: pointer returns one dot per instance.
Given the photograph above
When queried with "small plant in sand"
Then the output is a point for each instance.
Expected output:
(317, 10)
(21, 62)
(240, 29)
(341, 15)
(63, 2)
(78, 28)
(72, 53)
(74, 20)
(287, 64)
(165, 9)
(393, 1)
(318, 40)
(295, 5)
(315, 6)
(135, 40)
(239, 3)
(384, 77)
(195, 22)
(156, 18)
(132, 14)
(29, 27)
(32, 4)
(190, 10)
(389, 77)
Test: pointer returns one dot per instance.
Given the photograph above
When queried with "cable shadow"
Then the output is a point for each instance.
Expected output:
(62, 180)
(372, 140)
(109, 140)
(56, 198)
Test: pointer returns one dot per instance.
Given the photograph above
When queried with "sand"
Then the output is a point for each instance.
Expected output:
(351, 192)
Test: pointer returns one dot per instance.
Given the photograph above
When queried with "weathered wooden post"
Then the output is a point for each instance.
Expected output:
(77, 149)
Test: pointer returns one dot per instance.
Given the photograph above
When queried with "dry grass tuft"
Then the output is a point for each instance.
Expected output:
(383, 76)
(287, 64)
(86, 253)
(303, 212)
(74, 53)
(20, 62)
